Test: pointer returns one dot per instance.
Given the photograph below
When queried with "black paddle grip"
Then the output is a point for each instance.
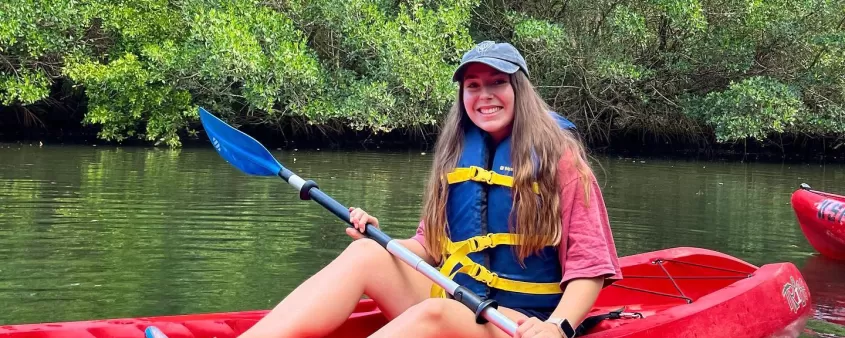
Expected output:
(305, 191)
(472, 301)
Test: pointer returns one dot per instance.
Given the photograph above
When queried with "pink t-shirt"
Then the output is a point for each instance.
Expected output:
(587, 249)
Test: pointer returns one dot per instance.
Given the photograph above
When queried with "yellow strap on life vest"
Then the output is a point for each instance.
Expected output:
(479, 174)
(457, 254)
(478, 243)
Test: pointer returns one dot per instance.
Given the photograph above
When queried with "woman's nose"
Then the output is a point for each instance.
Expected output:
(486, 92)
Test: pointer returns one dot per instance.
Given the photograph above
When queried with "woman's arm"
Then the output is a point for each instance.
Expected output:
(587, 255)
(578, 298)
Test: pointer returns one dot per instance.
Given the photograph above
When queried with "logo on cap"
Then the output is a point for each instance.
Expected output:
(484, 46)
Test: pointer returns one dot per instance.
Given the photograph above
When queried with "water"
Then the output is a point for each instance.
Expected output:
(89, 232)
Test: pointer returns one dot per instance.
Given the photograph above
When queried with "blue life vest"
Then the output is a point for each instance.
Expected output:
(477, 208)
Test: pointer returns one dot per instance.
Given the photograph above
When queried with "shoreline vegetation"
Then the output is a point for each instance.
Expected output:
(732, 80)
(790, 150)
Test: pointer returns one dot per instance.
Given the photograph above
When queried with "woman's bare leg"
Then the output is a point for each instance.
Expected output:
(440, 317)
(324, 301)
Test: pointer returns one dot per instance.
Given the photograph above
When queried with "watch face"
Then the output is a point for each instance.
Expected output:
(567, 328)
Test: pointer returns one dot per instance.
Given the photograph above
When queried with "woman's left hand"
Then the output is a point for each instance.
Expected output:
(535, 328)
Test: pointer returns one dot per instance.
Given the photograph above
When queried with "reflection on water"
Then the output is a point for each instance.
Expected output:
(122, 232)
(826, 280)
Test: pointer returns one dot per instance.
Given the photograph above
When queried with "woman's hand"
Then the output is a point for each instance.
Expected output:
(534, 328)
(359, 219)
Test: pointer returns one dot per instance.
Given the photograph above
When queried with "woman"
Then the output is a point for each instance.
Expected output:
(512, 211)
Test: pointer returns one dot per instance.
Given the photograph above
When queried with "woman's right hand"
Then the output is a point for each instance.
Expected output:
(359, 219)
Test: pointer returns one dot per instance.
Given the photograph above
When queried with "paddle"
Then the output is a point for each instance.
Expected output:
(252, 158)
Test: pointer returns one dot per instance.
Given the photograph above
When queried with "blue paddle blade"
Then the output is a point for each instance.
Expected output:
(154, 332)
(239, 149)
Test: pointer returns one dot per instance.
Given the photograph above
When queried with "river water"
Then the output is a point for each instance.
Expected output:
(105, 232)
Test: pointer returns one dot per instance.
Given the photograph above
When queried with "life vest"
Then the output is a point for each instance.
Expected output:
(479, 252)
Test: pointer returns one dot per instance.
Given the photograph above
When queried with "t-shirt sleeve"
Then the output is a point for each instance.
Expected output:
(420, 235)
(587, 249)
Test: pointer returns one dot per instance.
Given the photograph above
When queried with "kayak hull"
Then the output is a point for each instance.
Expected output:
(365, 320)
(822, 220)
(678, 292)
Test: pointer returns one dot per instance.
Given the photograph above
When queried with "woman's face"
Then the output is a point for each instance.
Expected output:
(488, 99)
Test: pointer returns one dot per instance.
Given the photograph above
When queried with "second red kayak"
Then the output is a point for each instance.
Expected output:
(821, 216)
(679, 292)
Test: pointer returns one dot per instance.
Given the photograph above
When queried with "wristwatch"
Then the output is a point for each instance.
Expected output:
(563, 326)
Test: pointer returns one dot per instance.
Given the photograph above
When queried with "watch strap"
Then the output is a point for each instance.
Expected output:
(563, 326)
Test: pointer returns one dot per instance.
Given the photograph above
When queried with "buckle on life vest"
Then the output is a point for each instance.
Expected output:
(481, 274)
(481, 175)
(480, 243)
(493, 279)
(474, 270)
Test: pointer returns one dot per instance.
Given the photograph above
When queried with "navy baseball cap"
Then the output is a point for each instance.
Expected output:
(502, 56)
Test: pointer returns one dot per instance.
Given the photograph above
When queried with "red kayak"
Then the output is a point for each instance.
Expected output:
(822, 219)
(680, 292)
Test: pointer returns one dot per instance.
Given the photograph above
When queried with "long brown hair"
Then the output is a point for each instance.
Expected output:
(537, 220)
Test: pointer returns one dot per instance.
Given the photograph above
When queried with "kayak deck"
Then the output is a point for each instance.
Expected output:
(687, 292)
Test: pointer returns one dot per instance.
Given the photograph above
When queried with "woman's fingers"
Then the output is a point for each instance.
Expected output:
(355, 234)
(359, 219)
(355, 216)
(528, 328)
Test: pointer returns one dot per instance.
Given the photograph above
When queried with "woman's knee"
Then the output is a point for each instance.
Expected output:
(364, 246)
(429, 311)
(366, 251)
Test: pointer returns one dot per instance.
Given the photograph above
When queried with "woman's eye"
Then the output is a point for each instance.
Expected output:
(472, 85)
(500, 81)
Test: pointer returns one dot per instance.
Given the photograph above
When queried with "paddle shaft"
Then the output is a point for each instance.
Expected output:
(483, 308)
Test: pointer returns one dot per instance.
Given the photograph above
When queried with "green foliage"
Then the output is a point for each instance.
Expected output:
(33, 36)
(25, 87)
(752, 108)
(123, 95)
(629, 27)
(645, 65)
(742, 68)
(35, 28)
(389, 65)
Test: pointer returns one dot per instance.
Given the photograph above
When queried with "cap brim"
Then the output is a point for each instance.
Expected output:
(500, 65)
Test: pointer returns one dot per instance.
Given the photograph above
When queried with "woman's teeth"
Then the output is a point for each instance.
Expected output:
(489, 110)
